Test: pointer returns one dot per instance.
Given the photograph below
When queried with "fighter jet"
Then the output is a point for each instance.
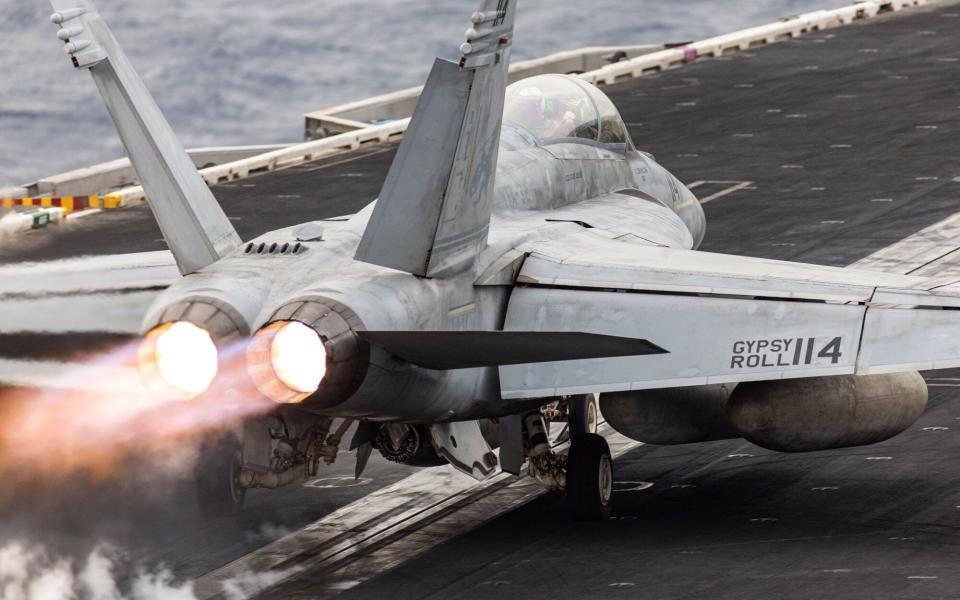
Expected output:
(524, 264)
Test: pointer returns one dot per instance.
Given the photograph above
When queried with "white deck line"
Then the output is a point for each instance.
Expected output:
(424, 503)
(636, 67)
(420, 512)
(931, 252)
(389, 527)
(81, 313)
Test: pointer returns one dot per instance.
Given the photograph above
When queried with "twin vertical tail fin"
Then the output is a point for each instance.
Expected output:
(192, 222)
(433, 213)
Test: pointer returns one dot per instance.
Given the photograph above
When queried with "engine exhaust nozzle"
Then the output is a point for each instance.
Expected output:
(184, 348)
(308, 354)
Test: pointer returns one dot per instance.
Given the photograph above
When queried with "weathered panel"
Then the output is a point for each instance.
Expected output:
(401, 231)
(709, 340)
(898, 339)
(636, 267)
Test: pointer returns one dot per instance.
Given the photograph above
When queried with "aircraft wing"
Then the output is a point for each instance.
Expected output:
(721, 318)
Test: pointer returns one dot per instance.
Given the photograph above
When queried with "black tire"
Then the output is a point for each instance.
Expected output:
(589, 478)
(582, 414)
(217, 476)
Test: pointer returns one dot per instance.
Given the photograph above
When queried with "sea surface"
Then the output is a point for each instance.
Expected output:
(244, 71)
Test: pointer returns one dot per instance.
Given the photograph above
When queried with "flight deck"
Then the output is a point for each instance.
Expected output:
(834, 148)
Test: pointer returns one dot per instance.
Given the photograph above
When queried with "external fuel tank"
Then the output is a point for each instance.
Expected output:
(803, 415)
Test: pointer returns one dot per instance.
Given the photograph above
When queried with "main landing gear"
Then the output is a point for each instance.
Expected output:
(589, 478)
(217, 475)
(585, 474)
(270, 451)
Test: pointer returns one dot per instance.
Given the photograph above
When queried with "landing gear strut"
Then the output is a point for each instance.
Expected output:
(585, 474)
(217, 476)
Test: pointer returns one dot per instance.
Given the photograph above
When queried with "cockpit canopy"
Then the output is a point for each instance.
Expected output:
(559, 107)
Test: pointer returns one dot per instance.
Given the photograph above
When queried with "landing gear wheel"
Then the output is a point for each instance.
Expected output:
(217, 476)
(589, 478)
(582, 414)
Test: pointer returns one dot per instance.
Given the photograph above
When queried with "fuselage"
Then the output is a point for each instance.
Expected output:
(606, 194)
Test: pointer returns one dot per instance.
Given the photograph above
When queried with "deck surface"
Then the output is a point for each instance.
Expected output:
(822, 149)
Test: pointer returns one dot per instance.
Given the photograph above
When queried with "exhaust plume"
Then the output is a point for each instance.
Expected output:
(91, 419)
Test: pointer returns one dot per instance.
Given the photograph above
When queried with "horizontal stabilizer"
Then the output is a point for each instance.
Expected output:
(443, 350)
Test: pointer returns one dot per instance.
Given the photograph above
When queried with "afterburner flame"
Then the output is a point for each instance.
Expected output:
(287, 361)
(181, 356)
(98, 417)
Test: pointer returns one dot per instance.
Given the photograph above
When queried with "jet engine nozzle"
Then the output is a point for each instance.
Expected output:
(178, 359)
(308, 353)
(287, 361)
(181, 353)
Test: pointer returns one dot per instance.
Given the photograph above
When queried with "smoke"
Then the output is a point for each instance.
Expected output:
(266, 533)
(94, 455)
(30, 572)
(249, 585)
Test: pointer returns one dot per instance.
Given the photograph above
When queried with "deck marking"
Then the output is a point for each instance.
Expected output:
(337, 482)
(734, 186)
(390, 526)
(631, 486)
(348, 160)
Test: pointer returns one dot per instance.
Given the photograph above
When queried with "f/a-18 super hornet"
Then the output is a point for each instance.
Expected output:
(524, 264)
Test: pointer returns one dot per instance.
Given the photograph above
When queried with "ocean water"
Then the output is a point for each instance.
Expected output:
(245, 71)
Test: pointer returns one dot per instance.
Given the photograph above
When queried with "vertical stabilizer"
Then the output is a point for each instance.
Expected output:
(193, 224)
(433, 213)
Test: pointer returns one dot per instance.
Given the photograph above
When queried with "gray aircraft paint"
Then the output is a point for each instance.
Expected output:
(582, 237)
